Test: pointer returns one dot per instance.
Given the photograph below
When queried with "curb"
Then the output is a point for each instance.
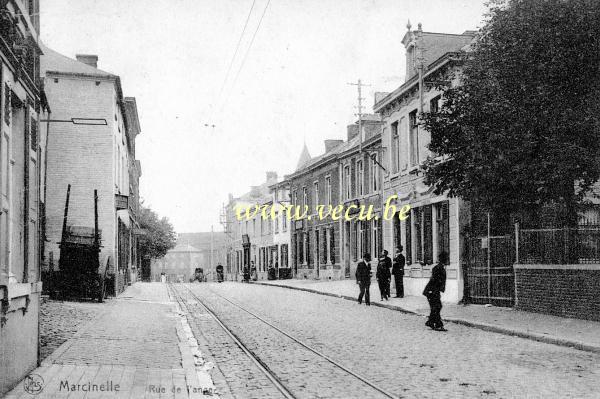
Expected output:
(468, 323)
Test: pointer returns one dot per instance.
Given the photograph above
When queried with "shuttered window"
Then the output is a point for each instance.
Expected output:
(418, 233)
(332, 245)
(443, 227)
(427, 235)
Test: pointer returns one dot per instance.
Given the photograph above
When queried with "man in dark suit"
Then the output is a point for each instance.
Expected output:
(363, 278)
(433, 290)
(387, 263)
(398, 272)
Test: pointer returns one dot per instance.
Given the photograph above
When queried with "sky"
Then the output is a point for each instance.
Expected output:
(288, 88)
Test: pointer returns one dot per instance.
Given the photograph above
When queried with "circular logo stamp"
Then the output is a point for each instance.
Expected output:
(33, 384)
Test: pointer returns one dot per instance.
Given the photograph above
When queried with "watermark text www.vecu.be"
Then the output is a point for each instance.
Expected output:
(346, 212)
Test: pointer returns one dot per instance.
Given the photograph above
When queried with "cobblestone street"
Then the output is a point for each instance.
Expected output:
(60, 320)
(393, 350)
(276, 343)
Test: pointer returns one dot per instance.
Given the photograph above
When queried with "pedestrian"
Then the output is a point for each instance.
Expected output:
(363, 278)
(387, 262)
(383, 278)
(253, 271)
(398, 272)
(433, 290)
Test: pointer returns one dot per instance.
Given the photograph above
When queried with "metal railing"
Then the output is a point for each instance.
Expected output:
(559, 246)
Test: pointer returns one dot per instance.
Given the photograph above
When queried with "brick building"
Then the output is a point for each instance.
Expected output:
(22, 105)
(92, 157)
(250, 240)
(434, 223)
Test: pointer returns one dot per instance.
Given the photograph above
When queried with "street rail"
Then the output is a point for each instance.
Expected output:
(255, 359)
(263, 366)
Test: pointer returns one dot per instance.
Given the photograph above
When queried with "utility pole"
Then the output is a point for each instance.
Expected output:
(211, 248)
(359, 85)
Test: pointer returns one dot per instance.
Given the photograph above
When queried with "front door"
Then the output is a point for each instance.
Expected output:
(317, 257)
(347, 250)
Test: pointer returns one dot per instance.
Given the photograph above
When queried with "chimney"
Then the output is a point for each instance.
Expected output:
(331, 144)
(271, 177)
(88, 59)
(352, 131)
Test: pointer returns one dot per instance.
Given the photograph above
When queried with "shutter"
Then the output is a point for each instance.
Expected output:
(379, 236)
(418, 235)
(7, 105)
(332, 245)
(408, 237)
(324, 246)
(308, 257)
(427, 235)
(444, 227)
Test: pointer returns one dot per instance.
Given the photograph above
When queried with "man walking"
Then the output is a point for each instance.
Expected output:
(433, 290)
(363, 278)
(398, 272)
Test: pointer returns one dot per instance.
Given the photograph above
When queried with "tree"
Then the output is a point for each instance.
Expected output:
(159, 236)
(521, 130)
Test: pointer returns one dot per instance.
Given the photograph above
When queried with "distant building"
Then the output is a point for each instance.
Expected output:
(193, 250)
(22, 148)
(250, 240)
(179, 264)
(92, 157)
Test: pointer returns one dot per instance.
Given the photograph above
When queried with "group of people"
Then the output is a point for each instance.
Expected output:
(386, 269)
(250, 273)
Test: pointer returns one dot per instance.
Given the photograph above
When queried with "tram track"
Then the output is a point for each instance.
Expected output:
(260, 363)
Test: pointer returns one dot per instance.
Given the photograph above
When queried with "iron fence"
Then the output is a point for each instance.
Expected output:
(559, 246)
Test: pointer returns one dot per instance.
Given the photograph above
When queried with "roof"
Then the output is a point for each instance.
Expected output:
(184, 248)
(304, 157)
(51, 61)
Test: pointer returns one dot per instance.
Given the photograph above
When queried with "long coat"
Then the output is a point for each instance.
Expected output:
(437, 282)
(363, 272)
(383, 272)
(398, 268)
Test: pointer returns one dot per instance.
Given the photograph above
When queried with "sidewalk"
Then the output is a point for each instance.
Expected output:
(137, 347)
(580, 334)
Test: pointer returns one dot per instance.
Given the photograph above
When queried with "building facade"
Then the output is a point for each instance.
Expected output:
(250, 241)
(91, 147)
(281, 230)
(22, 148)
(434, 223)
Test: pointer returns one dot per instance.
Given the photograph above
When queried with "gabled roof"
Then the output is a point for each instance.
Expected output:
(51, 61)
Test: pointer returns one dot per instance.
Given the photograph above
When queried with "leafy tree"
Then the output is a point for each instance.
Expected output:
(159, 235)
(521, 129)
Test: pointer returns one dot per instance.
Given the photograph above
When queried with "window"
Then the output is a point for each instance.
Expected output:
(443, 227)
(413, 138)
(360, 178)
(328, 190)
(283, 222)
(284, 256)
(395, 148)
(316, 188)
(434, 104)
(332, 245)
(397, 231)
(347, 188)
(295, 197)
(374, 173)
(300, 248)
(324, 245)
(422, 233)
(304, 198)
(354, 240)
(276, 223)
(377, 237)
(254, 226)
(308, 257)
